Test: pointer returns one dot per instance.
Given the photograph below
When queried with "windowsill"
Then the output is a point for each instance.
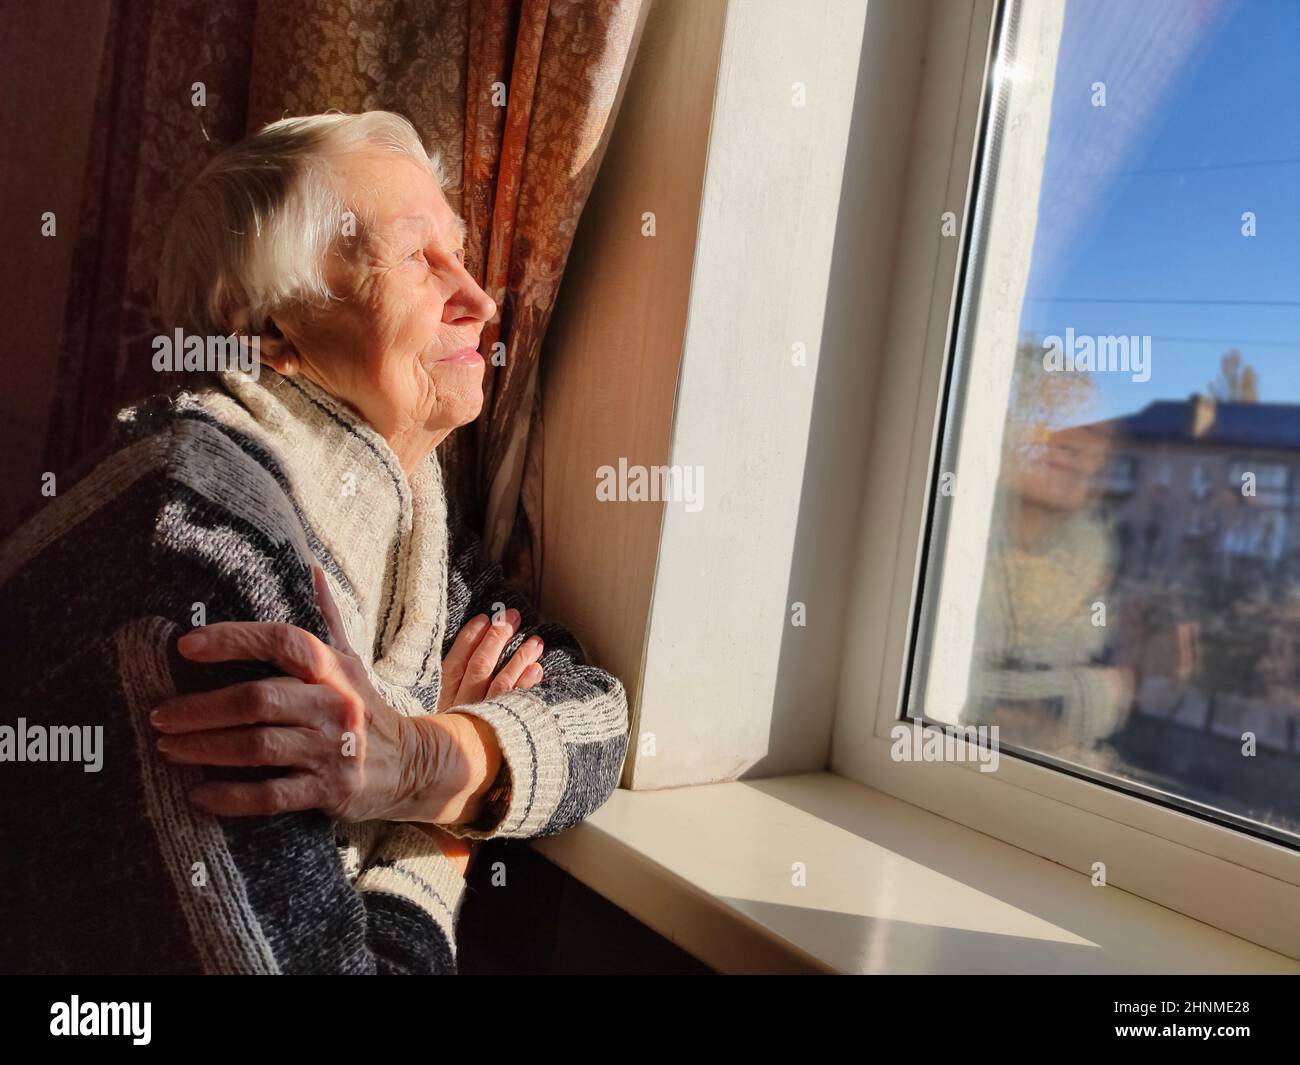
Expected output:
(890, 888)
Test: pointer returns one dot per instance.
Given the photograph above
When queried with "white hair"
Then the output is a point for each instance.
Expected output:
(253, 229)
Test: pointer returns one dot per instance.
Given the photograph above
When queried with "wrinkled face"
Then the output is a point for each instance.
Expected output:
(399, 344)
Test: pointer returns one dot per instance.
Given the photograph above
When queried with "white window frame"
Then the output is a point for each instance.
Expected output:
(1241, 883)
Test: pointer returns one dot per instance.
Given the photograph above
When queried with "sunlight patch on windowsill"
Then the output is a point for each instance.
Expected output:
(817, 873)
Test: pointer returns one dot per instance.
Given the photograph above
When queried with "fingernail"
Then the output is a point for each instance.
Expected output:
(165, 745)
(536, 641)
(513, 617)
(192, 642)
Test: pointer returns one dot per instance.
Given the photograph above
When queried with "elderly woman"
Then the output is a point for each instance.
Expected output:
(311, 688)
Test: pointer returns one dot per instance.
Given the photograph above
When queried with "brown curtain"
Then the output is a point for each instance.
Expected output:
(518, 96)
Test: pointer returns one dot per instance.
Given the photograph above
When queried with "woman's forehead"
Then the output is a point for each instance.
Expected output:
(397, 219)
(425, 223)
(393, 192)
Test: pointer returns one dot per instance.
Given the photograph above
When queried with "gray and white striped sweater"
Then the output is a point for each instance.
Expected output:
(212, 505)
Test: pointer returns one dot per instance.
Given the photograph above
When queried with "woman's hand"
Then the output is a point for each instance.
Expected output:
(352, 755)
(467, 671)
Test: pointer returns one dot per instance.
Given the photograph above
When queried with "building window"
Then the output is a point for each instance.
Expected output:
(1264, 483)
(1198, 481)
(1121, 475)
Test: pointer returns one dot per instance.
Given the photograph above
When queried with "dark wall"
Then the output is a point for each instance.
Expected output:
(542, 921)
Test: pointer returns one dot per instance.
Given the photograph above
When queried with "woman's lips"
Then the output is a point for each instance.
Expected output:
(464, 357)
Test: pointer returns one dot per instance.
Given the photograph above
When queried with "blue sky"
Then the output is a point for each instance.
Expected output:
(1142, 200)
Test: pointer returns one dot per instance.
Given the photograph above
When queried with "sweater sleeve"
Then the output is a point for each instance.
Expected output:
(269, 894)
(93, 596)
(562, 741)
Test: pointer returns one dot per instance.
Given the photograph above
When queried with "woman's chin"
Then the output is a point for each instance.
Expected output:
(462, 409)
(457, 392)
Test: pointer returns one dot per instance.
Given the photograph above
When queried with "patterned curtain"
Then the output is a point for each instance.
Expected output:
(519, 97)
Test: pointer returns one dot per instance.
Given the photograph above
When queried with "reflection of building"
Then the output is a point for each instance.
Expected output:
(1190, 481)
(1206, 527)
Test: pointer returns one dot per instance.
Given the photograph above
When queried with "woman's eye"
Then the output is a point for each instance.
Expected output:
(419, 257)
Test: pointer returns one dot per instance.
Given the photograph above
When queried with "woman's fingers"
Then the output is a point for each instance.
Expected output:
(482, 663)
(453, 666)
(295, 651)
(530, 677)
(333, 619)
(276, 701)
(297, 791)
(508, 679)
(469, 672)
(298, 747)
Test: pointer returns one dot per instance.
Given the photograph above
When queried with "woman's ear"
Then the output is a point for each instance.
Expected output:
(277, 350)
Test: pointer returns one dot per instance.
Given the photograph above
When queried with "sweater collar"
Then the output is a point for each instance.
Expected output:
(380, 536)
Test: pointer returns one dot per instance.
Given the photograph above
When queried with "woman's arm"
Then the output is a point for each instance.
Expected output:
(94, 598)
(562, 741)
(351, 755)
(496, 762)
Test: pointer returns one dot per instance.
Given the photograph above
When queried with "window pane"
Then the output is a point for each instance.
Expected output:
(1112, 575)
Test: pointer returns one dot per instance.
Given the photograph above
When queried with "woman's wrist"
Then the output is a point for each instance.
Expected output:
(450, 762)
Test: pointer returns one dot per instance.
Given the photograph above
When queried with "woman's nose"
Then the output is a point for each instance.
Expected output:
(470, 301)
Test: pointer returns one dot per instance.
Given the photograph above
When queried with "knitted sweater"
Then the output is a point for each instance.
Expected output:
(212, 506)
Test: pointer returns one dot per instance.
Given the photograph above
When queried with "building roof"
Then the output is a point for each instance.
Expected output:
(1275, 426)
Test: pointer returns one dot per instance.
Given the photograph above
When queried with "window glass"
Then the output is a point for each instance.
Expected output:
(1112, 570)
